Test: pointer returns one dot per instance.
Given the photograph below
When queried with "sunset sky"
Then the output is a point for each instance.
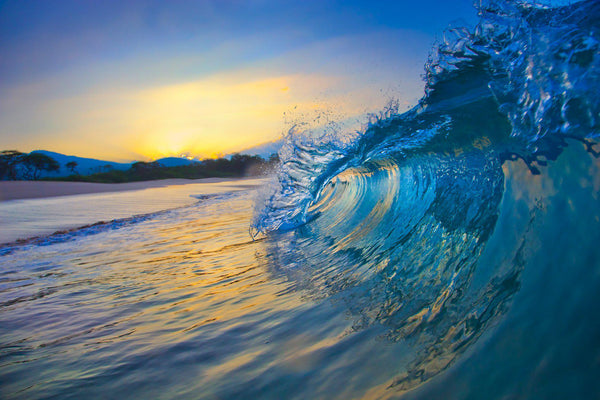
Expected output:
(139, 80)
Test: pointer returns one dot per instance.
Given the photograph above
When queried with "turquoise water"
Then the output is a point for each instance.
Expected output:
(449, 252)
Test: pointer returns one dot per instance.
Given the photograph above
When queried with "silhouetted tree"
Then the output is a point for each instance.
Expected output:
(142, 166)
(9, 159)
(35, 163)
(274, 159)
(243, 164)
(72, 165)
(145, 170)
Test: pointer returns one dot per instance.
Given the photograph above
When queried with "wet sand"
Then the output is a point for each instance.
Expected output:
(14, 190)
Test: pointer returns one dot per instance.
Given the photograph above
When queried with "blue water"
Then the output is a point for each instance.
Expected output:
(449, 252)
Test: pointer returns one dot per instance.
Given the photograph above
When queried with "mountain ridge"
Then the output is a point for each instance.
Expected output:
(87, 166)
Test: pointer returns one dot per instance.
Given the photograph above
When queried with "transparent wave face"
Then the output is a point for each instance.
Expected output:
(394, 220)
(535, 68)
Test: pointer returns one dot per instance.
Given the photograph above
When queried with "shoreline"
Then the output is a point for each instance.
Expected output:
(21, 190)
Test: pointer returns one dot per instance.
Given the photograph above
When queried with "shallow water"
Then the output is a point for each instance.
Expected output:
(23, 219)
(182, 304)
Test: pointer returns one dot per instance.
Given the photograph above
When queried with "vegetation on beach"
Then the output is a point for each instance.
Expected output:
(15, 165)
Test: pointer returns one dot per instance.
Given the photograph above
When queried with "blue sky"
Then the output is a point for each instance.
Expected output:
(145, 79)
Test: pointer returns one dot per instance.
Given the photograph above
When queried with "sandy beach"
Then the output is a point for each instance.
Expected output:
(14, 190)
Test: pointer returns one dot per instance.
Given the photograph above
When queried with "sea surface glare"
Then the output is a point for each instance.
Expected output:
(448, 252)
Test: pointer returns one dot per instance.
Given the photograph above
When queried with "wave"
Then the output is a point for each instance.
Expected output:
(526, 77)
(400, 219)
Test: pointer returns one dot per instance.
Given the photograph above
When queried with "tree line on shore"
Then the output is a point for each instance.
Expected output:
(15, 165)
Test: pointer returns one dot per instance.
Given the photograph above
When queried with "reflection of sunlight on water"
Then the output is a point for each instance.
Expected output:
(185, 304)
(186, 287)
(20, 219)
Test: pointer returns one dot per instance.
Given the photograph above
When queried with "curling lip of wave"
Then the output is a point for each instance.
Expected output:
(540, 66)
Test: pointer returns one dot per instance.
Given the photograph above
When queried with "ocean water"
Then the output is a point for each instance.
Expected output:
(28, 218)
(448, 252)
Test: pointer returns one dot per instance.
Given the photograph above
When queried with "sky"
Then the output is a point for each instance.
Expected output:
(141, 80)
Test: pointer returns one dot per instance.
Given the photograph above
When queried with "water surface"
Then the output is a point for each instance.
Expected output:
(449, 252)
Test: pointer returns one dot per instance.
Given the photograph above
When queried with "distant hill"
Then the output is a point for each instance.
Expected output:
(85, 166)
(88, 166)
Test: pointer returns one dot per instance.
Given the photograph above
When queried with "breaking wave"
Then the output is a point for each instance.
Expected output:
(404, 219)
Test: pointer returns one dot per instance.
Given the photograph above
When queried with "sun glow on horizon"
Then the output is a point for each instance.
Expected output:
(104, 111)
(224, 114)
(210, 117)
(201, 119)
